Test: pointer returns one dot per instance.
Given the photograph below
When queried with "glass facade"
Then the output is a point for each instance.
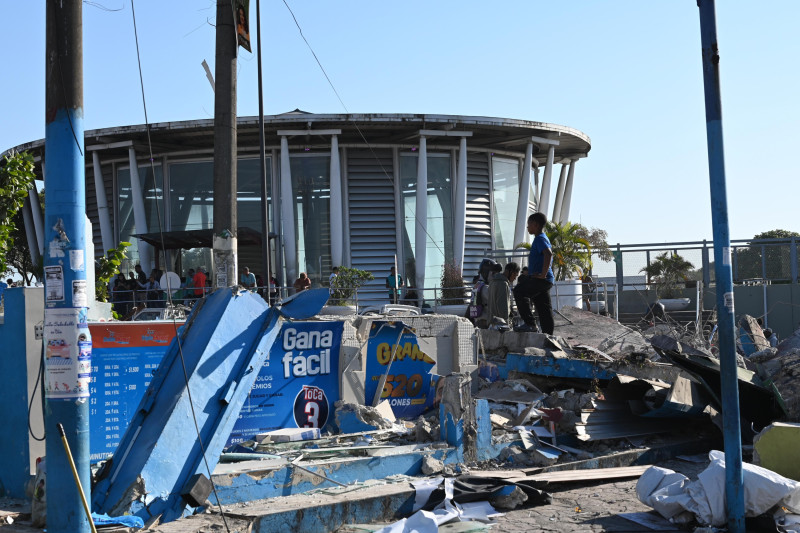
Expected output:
(440, 215)
(311, 189)
(505, 185)
(190, 207)
(153, 196)
(191, 195)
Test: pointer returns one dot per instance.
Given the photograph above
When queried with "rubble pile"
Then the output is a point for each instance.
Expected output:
(782, 368)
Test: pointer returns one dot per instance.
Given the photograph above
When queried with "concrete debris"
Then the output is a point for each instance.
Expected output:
(426, 430)
(751, 336)
(760, 402)
(601, 332)
(353, 418)
(510, 501)
(431, 465)
(781, 367)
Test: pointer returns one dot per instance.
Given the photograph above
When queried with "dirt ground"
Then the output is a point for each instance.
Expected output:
(588, 507)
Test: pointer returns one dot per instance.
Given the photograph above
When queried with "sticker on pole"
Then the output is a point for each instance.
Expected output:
(54, 283)
(68, 354)
(728, 299)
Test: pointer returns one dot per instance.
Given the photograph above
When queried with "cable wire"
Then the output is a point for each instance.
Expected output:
(349, 117)
(169, 291)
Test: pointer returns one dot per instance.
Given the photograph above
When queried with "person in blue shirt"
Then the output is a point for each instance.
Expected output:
(537, 284)
(248, 279)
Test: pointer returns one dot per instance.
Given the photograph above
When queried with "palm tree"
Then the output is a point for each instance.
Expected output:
(668, 272)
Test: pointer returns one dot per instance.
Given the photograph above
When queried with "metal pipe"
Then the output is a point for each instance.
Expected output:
(734, 481)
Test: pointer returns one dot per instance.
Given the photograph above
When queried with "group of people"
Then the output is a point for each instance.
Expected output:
(494, 286)
(135, 290)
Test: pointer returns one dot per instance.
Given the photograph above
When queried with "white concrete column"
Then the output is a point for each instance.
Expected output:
(524, 192)
(288, 223)
(421, 215)
(337, 219)
(544, 196)
(562, 182)
(139, 217)
(536, 186)
(102, 204)
(460, 229)
(568, 192)
(38, 218)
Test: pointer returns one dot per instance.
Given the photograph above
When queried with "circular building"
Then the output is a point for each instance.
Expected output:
(360, 190)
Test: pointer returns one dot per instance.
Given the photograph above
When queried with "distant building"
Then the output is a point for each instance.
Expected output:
(342, 189)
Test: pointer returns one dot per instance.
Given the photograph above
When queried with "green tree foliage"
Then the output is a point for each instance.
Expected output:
(16, 177)
(668, 273)
(777, 257)
(346, 283)
(106, 268)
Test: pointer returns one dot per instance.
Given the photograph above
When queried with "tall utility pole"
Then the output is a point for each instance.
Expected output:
(265, 242)
(734, 480)
(66, 335)
(225, 223)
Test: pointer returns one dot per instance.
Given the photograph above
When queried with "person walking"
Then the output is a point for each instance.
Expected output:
(537, 284)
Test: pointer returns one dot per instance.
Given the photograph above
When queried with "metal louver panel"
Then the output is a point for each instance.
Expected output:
(479, 214)
(371, 211)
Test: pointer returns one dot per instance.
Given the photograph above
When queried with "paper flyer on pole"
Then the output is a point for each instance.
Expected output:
(68, 354)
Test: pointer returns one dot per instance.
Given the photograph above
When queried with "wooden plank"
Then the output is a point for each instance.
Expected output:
(503, 474)
(589, 474)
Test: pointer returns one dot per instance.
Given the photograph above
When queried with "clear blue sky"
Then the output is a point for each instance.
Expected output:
(627, 73)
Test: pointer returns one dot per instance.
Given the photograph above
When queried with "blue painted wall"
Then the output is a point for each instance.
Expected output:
(14, 454)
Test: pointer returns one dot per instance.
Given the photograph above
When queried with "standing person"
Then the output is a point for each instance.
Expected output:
(588, 288)
(152, 291)
(199, 283)
(334, 273)
(393, 282)
(248, 279)
(537, 284)
(302, 283)
(141, 277)
(273, 289)
(500, 292)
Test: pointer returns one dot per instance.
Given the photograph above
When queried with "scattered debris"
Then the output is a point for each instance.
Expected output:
(353, 418)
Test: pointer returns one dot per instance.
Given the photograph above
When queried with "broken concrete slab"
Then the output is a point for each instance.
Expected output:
(457, 416)
(600, 332)
(776, 448)
(781, 368)
(354, 418)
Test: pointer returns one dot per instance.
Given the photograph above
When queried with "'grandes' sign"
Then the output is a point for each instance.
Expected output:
(393, 350)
